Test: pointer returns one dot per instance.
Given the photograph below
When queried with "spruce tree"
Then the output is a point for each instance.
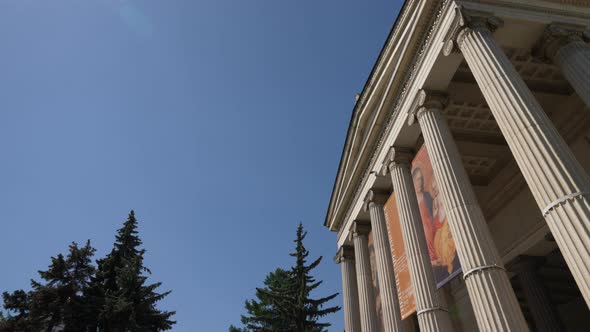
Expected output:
(285, 304)
(59, 299)
(303, 311)
(120, 289)
(73, 295)
(17, 318)
(263, 313)
(233, 328)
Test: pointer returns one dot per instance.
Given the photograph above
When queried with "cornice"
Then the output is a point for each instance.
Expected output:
(409, 76)
(361, 103)
(395, 58)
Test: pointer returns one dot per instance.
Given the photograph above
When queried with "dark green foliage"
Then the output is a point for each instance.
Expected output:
(76, 296)
(236, 329)
(17, 319)
(285, 303)
(305, 310)
(60, 299)
(127, 303)
(264, 314)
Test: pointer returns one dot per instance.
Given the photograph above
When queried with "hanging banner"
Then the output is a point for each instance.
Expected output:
(405, 293)
(441, 247)
(375, 279)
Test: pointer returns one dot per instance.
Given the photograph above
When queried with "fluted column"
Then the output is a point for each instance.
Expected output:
(368, 310)
(567, 48)
(535, 294)
(352, 319)
(392, 320)
(557, 181)
(492, 296)
(432, 314)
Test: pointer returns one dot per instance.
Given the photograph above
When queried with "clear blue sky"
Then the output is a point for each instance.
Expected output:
(220, 122)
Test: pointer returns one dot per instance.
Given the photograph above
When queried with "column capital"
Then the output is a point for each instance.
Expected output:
(397, 157)
(374, 196)
(465, 21)
(427, 100)
(344, 253)
(556, 36)
(360, 227)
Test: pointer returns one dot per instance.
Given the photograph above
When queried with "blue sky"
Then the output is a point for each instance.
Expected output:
(220, 122)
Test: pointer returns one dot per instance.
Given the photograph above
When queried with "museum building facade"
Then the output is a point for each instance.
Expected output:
(462, 198)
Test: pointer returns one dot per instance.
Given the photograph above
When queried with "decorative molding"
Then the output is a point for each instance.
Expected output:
(416, 13)
(408, 79)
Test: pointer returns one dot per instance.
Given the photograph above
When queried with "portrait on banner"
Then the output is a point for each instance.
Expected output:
(441, 247)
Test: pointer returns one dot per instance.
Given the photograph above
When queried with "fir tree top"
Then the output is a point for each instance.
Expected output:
(127, 240)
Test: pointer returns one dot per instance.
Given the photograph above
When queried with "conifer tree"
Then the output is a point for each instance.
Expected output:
(263, 314)
(17, 318)
(73, 295)
(303, 311)
(285, 304)
(59, 299)
(120, 289)
(233, 328)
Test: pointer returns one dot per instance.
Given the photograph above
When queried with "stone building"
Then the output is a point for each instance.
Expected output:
(462, 198)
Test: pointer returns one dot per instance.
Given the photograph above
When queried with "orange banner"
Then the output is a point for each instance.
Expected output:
(407, 302)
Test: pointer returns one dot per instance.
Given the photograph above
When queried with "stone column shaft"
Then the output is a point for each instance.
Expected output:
(557, 181)
(392, 320)
(490, 291)
(569, 51)
(367, 306)
(432, 314)
(352, 320)
(536, 296)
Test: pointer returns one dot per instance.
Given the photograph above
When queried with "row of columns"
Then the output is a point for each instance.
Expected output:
(558, 182)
